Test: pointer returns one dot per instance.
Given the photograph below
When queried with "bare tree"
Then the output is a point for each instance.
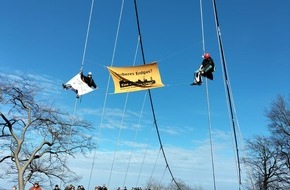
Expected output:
(182, 186)
(153, 184)
(36, 139)
(279, 118)
(269, 156)
(263, 158)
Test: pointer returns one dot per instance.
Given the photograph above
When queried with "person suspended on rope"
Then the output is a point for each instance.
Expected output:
(80, 84)
(88, 79)
(206, 69)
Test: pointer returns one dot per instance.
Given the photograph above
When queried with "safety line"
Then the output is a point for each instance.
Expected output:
(87, 35)
(228, 91)
(139, 121)
(118, 138)
(117, 35)
(210, 135)
(150, 97)
(135, 137)
(202, 27)
(177, 52)
(208, 102)
(145, 154)
(163, 174)
(106, 95)
(155, 163)
(70, 134)
(121, 126)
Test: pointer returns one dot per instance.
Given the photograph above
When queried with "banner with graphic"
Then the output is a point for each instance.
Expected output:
(135, 78)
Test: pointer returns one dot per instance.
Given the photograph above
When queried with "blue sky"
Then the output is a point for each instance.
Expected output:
(46, 39)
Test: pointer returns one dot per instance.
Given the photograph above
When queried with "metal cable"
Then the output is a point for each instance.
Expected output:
(151, 101)
(228, 92)
(208, 103)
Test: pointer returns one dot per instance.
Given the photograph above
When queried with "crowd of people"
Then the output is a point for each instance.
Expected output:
(36, 186)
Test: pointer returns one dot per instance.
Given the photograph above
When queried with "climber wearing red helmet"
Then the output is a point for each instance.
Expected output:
(206, 69)
(206, 56)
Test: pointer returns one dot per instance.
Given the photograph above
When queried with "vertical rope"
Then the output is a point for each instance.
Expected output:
(83, 59)
(117, 35)
(120, 129)
(135, 137)
(145, 154)
(161, 178)
(139, 121)
(70, 134)
(228, 92)
(210, 135)
(208, 102)
(118, 139)
(202, 28)
(87, 35)
(155, 163)
(106, 94)
(150, 97)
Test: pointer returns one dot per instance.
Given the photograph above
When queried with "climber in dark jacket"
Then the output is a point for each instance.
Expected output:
(206, 69)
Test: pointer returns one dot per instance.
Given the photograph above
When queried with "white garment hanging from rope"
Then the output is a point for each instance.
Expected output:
(77, 84)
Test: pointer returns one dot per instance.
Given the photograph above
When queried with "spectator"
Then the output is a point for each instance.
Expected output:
(80, 187)
(35, 186)
(56, 187)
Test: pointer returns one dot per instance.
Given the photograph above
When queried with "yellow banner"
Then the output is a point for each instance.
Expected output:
(135, 78)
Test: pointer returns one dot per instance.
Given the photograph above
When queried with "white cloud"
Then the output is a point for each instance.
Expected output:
(193, 166)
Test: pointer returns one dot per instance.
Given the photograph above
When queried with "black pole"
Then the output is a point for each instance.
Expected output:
(228, 91)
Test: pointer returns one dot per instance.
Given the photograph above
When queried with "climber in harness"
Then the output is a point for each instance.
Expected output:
(206, 69)
(88, 80)
(81, 84)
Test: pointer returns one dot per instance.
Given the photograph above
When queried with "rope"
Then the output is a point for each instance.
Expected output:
(155, 163)
(135, 137)
(139, 175)
(248, 169)
(117, 35)
(208, 102)
(107, 90)
(87, 35)
(70, 134)
(120, 129)
(150, 97)
(202, 28)
(210, 135)
(84, 53)
(139, 121)
(228, 92)
(118, 138)
(163, 174)
(177, 52)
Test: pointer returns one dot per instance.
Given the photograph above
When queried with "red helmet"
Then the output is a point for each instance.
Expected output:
(206, 55)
